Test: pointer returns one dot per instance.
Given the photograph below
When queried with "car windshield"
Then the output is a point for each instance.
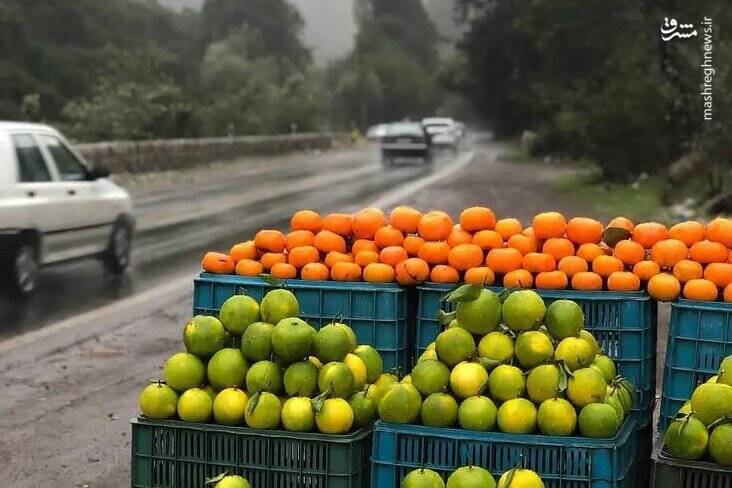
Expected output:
(405, 129)
(437, 129)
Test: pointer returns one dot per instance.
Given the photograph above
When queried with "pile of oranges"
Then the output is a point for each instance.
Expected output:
(690, 259)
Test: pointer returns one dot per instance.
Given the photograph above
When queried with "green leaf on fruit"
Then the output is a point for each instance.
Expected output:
(444, 318)
(271, 280)
(464, 293)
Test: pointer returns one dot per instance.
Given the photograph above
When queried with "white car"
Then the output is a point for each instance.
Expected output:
(443, 131)
(55, 208)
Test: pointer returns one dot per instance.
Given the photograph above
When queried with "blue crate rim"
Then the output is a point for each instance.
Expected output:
(356, 435)
(661, 458)
(580, 294)
(300, 284)
(683, 303)
(624, 432)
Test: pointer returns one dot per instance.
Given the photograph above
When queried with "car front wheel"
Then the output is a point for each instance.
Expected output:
(117, 257)
(25, 269)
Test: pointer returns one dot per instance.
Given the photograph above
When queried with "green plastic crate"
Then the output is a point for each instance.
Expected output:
(174, 454)
(670, 472)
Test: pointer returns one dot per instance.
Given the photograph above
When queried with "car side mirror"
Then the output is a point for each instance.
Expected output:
(100, 170)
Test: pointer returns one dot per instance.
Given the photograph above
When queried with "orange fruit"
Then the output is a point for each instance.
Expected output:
(529, 232)
(571, 265)
(551, 280)
(306, 220)
(538, 262)
(622, 222)
(465, 256)
(435, 226)
(393, 255)
(504, 260)
(687, 232)
(524, 243)
(406, 219)
(243, 250)
(459, 236)
(623, 281)
(649, 233)
(412, 243)
(365, 258)
(687, 269)
(412, 271)
(248, 267)
(629, 252)
(326, 241)
(664, 287)
(488, 239)
(587, 281)
(315, 272)
(727, 295)
(518, 278)
(719, 273)
(378, 273)
(668, 252)
(647, 269)
(363, 245)
(477, 218)
(508, 227)
(481, 275)
(334, 257)
(302, 255)
(366, 222)
(582, 230)
(720, 230)
(604, 265)
(558, 247)
(549, 224)
(339, 223)
(434, 252)
(700, 289)
(298, 238)
(444, 274)
(344, 271)
(706, 252)
(268, 240)
(269, 259)
(729, 257)
(590, 251)
(388, 236)
(283, 271)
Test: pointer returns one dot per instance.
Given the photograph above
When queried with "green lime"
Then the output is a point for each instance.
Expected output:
(497, 346)
(517, 416)
(227, 368)
(506, 383)
(575, 352)
(183, 371)
(263, 411)
(229, 406)
(298, 414)
(337, 378)
(239, 312)
(598, 420)
(542, 383)
(481, 315)
(533, 348)
(720, 444)
(372, 359)
(204, 335)
(523, 310)
(430, 376)
(556, 416)
(468, 379)
(195, 405)
(301, 379)
(264, 376)
(586, 386)
(400, 404)
(454, 345)
(564, 318)
(471, 477)
(256, 342)
(439, 410)
(477, 413)
(158, 401)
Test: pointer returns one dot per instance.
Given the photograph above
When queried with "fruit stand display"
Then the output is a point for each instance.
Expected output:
(468, 476)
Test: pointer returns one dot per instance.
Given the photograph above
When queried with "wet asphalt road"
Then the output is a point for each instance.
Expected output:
(179, 215)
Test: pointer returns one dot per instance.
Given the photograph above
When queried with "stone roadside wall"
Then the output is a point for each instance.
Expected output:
(161, 155)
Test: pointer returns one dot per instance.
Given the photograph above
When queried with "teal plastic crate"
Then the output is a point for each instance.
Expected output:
(624, 325)
(699, 337)
(561, 462)
(174, 454)
(669, 472)
(376, 312)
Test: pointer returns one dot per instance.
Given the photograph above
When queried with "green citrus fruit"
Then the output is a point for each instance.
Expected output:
(556, 416)
(542, 383)
(239, 312)
(471, 477)
(506, 382)
(211, 391)
(263, 412)
(622, 395)
(605, 366)
(523, 310)
(373, 361)
(301, 379)
(334, 417)
(533, 348)
(517, 416)
(711, 401)
(298, 414)
(376, 390)
(685, 408)
(332, 343)
(277, 305)
(468, 379)
(575, 352)
(195, 405)
(204, 335)
(232, 481)
(227, 368)
(264, 376)
(338, 378)
(564, 318)
(429, 353)
(598, 420)
(481, 315)
(158, 401)
(477, 413)
(351, 335)
(422, 478)
(454, 345)
(400, 404)
(687, 438)
(363, 408)
(292, 340)
(586, 386)
(358, 368)
(497, 346)
(183, 371)
(720, 444)
(430, 376)
(229, 406)
(587, 336)
(439, 410)
(725, 371)
(256, 342)
(520, 478)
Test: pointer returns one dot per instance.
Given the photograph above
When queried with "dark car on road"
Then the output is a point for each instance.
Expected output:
(405, 140)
